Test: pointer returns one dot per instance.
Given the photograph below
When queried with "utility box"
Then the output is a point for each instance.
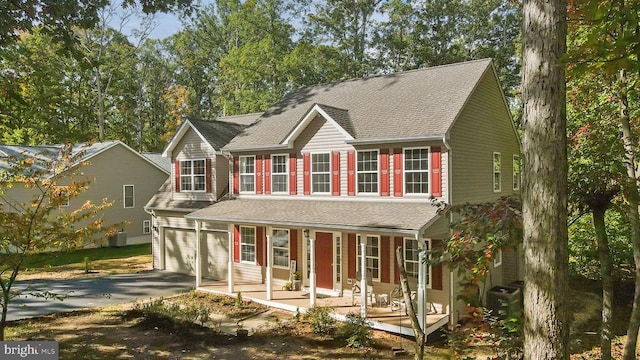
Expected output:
(504, 300)
(118, 240)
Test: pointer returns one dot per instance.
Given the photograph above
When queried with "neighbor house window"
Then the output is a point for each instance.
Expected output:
(497, 258)
(321, 173)
(367, 171)
(280, 248)
(247, 174)
(62, 193)
(372, 255)
(248, 244)
(416, 170)
(412, 258)
(279, 173)
(146, 226)
(192, 175)
(516, 172)
(128, 196)
(497, 174)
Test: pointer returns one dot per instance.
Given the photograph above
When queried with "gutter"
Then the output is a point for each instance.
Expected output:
(396, 140)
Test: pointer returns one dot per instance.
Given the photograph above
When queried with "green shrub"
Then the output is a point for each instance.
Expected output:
(319, 317)
(356, 331)
(239, 300)
(190, 312)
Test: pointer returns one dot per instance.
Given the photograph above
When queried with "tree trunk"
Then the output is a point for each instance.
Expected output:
(411, 312)
(633, 199)
(544, 193)
(607, 280)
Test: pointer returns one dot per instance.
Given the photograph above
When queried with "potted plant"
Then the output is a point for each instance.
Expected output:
(288, 286)
(296, 281)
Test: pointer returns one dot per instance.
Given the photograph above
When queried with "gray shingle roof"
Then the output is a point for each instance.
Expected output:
(159, 160)
(161, 200)
(217, 133)
(246, 119)
(407, 217)
(408, 104)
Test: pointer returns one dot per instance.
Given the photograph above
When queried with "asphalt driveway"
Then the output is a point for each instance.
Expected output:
(98, 291)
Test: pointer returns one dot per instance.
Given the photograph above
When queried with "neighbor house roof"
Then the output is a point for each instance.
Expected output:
(410, 104)
(409, 218)
(216, 133)
(159, 160)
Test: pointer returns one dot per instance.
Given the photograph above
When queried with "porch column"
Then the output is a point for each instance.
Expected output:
(422, 289)
(312, 273)
(363, 278)
(198, 260)
(269, 269)
(230, 263)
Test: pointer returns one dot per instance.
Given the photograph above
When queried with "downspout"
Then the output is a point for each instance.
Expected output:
(153, 233)
(452, 295)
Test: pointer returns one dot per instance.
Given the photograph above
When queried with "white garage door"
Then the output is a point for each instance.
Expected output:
(216, 248)
(180, 253)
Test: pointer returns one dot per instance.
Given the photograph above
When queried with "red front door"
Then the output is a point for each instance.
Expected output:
(324, 260)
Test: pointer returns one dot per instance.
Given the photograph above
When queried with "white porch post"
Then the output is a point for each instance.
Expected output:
(312, 273)
(363, 278)
(269, 269)
(198, 260)
(422, 289)
(230, 264)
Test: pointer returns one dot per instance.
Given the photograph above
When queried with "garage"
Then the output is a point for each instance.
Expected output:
(180, 252)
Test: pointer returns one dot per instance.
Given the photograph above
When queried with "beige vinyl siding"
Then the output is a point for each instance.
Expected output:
(483, 127)
(192, 147)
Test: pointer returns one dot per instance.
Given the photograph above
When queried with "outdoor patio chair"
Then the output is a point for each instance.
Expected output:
(396, 299)
(356, 291)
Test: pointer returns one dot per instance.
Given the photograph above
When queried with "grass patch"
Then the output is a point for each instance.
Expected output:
(59, 258)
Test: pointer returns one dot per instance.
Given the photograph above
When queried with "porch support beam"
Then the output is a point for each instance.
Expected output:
(312, 273)
(230, 263)
(198, 259)
(363, 278)
(269, 274)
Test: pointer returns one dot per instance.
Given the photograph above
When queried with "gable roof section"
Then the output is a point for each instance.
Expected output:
(411, 104)
(339, 118)
(215, 133)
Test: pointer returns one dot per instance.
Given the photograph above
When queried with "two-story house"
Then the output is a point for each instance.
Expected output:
(333, 178)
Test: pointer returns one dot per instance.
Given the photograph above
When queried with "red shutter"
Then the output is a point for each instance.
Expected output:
(293, 244)
(397, 243)
(352, 255)
(207, 172)
(385, 269)
(384, 172)
(351, 173)
(335, 186)
(236, 243)
(258, 174)
(397, 172)
(236, 176)
(293, 190)
(260, 240)
(436, 172)
(267, 175)
(436, 270)
(306, 163)
(177, 175)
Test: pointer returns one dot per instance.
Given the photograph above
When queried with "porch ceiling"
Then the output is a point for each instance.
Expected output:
(394, 217)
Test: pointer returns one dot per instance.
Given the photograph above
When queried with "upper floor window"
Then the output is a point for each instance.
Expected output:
(497, 172)
(279, 173)
(321, 173)
(128, 197)
(516, 172)
(281, 248)
(192, 175)
(247, 174)
(248, 244)
(372, 255)
(416, 170)
(367, 166)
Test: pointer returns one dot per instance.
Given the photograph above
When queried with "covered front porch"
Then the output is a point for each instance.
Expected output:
(381, 315)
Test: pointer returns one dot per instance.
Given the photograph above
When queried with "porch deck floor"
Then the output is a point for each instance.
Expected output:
(381, 318)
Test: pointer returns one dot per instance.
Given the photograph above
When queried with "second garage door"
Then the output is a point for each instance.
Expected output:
(180, 252)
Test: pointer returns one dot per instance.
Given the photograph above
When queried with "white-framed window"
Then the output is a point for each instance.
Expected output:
(516, 172)
(62, 192)
(497, 258)
(248, 244)
(412, 258)
(367, 169)
(192, 175)
(128, 196)
(321, 173)
(497, 172)
(416, 170)
(247, 174)
(372, 255)
(279, 173)
(146, 226)
(280, 243)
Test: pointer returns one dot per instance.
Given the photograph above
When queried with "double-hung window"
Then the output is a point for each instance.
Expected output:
(192, 175)
(248, 244)
(416, 170)
(281, 248)
(321, 173)
(516, 172)
(372, 255)
(412, 259)
(128, 196)
(279, 176)
(497, 172)
(367, 171)
(146, 226)
(247, 174)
